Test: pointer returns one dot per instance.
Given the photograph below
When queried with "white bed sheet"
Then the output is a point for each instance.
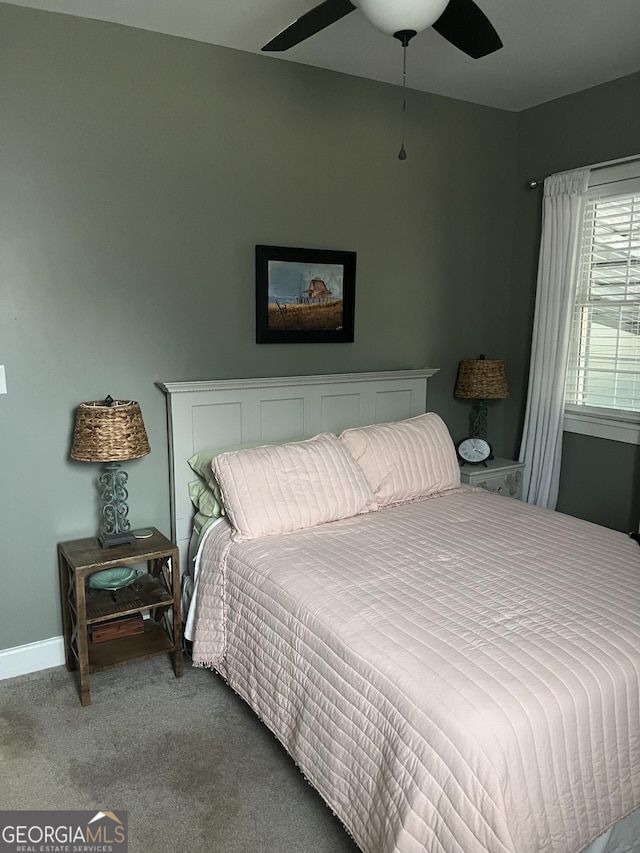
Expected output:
(293, 628)
(190, 578)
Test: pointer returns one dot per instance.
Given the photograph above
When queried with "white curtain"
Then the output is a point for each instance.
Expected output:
(541, 448)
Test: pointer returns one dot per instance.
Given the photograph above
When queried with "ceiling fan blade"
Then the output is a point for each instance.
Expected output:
(467, 27)
(311, 23)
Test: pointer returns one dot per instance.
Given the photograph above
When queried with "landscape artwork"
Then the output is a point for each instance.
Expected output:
(304, 295)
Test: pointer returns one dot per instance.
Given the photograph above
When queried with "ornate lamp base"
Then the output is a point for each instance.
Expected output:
(478, 419)
(109, 540)
(116, 529)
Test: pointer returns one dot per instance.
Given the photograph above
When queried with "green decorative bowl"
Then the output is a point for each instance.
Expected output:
(114, 578)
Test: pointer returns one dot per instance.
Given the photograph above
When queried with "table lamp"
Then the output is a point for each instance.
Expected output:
(111, 431)
(481, 379)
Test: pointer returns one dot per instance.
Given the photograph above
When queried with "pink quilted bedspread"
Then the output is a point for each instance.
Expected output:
(457, 675)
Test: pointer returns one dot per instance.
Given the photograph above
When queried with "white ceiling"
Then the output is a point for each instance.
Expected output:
(551, 47)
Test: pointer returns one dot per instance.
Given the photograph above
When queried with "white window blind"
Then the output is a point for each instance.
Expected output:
(603, 375)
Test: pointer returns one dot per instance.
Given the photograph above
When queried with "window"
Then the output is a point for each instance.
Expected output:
(602, 392)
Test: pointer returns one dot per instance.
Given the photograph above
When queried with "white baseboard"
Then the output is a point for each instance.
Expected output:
(30, 658)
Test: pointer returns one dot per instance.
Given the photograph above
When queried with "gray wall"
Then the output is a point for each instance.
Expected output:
(600, 480)
(138, 172)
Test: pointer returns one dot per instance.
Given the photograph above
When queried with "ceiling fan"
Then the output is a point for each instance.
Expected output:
(460, 22)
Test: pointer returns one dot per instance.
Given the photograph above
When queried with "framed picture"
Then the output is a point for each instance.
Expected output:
(304, 295)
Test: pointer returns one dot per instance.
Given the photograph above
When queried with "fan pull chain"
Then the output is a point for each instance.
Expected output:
(402, 155)
(404, 37)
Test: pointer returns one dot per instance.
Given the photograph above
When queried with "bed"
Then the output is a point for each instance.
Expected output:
(452, 670)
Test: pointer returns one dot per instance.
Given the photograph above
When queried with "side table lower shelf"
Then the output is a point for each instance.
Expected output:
(112, 653)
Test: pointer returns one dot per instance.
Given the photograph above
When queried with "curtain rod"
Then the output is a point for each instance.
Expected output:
(536, 182)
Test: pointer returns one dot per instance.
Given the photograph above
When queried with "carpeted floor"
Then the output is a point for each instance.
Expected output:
(188, 760)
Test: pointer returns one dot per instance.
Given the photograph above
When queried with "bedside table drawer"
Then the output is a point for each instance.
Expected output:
(504, 484)
(503, 476)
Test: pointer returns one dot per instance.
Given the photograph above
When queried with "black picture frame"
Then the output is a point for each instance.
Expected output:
(304, 296)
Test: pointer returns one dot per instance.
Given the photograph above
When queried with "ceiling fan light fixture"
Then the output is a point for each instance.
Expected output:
(391, 16)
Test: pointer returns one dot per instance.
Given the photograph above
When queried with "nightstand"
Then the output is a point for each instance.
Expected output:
(85, 611)
(503, 476)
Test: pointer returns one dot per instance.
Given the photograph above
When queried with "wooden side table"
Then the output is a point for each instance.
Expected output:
(157, 590)
(503, 476)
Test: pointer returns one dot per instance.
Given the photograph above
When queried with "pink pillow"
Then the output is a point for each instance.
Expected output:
(405, 460)
(281, 488)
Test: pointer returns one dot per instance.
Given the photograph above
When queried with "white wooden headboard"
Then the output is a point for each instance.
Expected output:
(219, 414)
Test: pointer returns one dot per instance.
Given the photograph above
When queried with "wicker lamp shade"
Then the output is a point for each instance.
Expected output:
(109, 431)
(482, 379)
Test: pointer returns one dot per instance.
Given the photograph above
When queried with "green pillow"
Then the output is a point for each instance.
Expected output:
(205, 498)
(201, 524)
